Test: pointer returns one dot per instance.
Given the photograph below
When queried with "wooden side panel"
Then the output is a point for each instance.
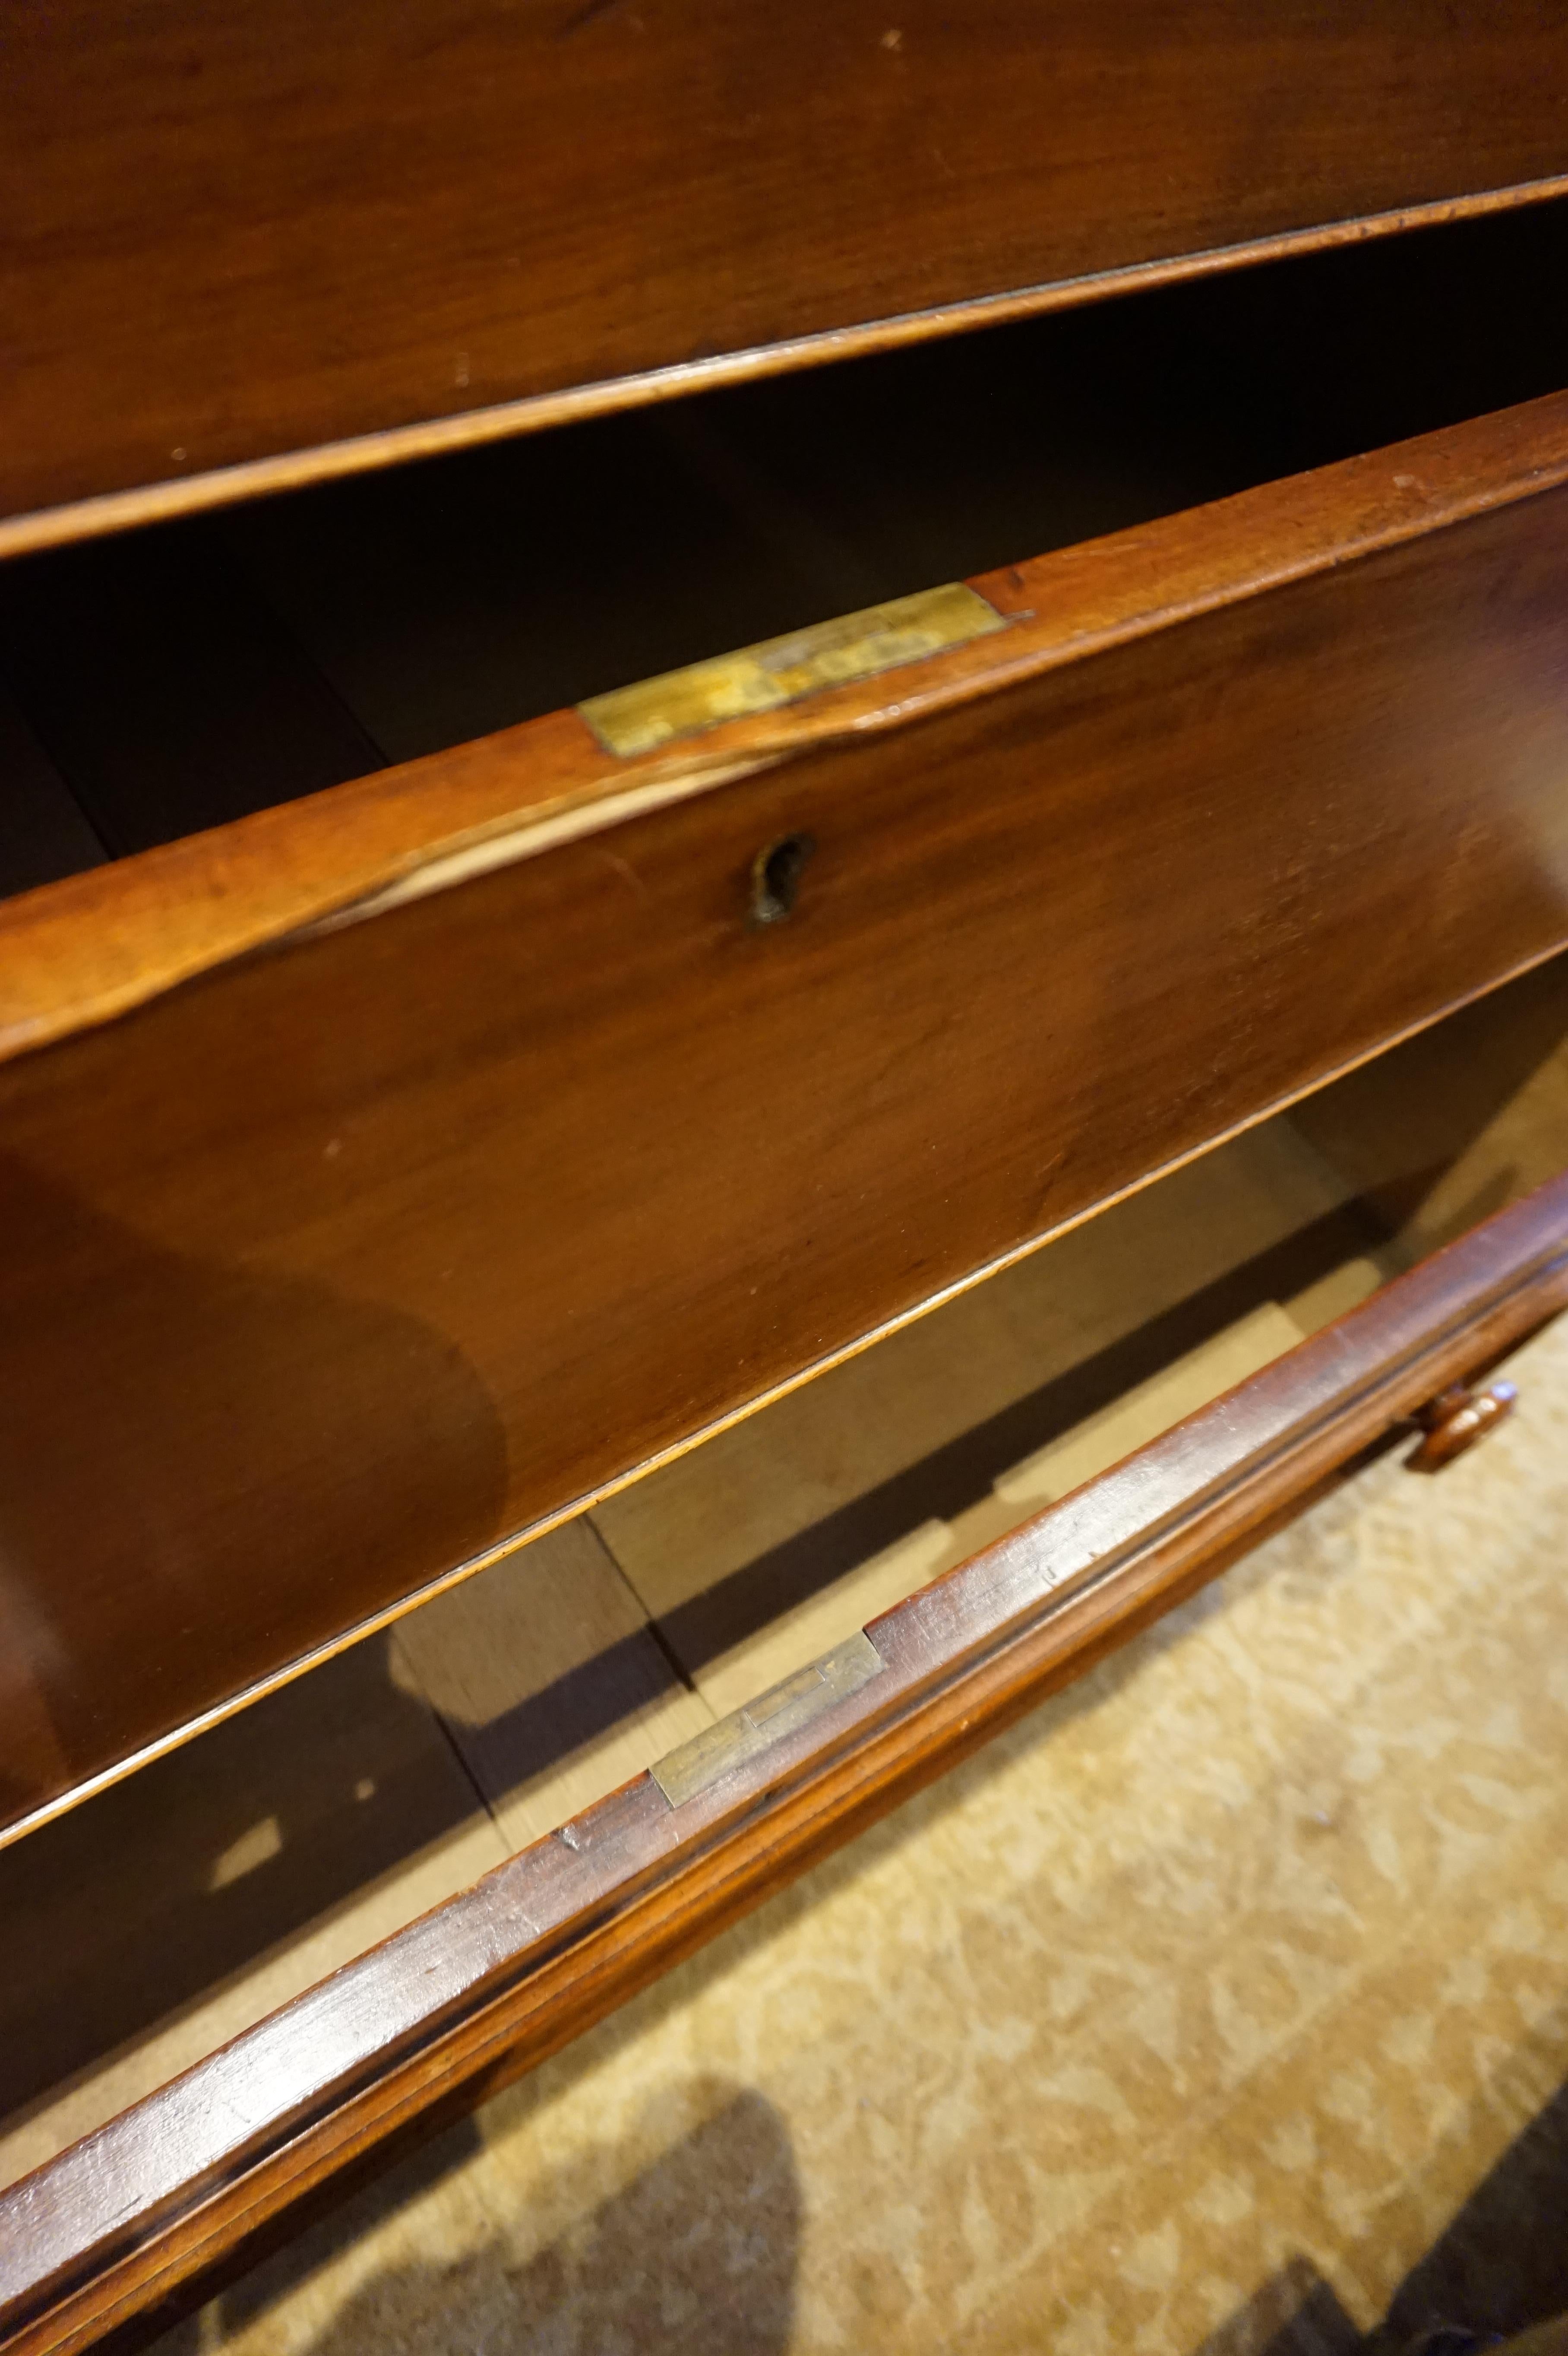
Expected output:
(327, 1272)
(233, 232)
(236, 1873)
(165, 689)
(549, 1680)
(783, 1535)
(44, 831)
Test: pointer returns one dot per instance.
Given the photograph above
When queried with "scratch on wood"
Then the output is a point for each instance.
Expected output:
(585, 16)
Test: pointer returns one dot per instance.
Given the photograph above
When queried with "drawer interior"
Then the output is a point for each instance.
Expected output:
(176, 1908)
(183, 675)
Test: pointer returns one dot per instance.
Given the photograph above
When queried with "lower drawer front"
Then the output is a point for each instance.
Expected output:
(505, 1972)
(344, 1262)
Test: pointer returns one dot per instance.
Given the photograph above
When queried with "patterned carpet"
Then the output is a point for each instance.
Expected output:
(1221, 2006)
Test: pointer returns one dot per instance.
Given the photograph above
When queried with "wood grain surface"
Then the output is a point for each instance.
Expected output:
(501, 1976)
(91, 947)
(347, 1264)
(548, 1683)
(234, 236)
(184, 676)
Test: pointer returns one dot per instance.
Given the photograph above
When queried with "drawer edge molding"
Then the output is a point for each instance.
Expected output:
(94, 946)
(162, 499)
(509, 1972)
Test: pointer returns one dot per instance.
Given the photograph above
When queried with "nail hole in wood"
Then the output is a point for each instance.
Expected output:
(775, 877)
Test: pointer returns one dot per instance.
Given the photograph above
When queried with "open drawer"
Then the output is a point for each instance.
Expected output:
(759, 1624)
(256, 247)
(391, 1171)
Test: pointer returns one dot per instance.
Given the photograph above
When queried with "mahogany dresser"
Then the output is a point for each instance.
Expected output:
(467, 1033)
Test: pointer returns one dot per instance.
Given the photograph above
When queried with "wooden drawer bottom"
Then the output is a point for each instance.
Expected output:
(793, 1627)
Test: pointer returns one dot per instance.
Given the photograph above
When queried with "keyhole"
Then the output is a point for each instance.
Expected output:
(775, 877)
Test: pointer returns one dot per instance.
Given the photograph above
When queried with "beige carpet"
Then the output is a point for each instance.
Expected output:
(1225, 1995)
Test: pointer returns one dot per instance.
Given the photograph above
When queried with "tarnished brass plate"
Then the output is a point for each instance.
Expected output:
(759, 679)
(682, 1774)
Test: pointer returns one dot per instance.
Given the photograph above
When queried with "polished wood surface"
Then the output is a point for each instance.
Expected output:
(234, 237)
(93, 946)
(355, 1261)
(785, 1534)
(769, 1544)
(505, 1973)
(191, 674)
(393, 1162)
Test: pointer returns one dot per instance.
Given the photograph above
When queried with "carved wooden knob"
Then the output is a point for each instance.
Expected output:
(1455, 1420)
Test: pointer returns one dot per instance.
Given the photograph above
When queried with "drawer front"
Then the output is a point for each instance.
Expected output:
(232, 237)
(340, 1265)
(507, 1972)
